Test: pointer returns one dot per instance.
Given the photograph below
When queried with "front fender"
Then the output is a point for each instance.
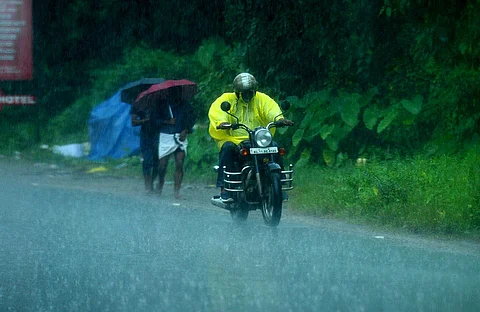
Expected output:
(273, 166)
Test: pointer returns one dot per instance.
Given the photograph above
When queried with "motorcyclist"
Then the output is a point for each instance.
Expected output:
(253, 108)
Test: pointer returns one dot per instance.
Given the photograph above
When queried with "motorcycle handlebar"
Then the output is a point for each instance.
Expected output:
(235, 126)
(231, 126)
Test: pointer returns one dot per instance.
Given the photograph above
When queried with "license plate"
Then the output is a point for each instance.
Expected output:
(264, 150)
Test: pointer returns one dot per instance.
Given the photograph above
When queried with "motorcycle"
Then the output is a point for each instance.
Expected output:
(258, 181)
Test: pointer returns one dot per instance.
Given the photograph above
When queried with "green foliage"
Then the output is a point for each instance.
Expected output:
(388, 116)
(350, 108)
(69, 127)
(326, 130)
(437, 195)
(414, 106)
(17, 137)
(202, 151)
(329, 123)
(370, 117)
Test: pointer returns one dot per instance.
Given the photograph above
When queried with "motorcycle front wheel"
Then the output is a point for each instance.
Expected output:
(272, 203)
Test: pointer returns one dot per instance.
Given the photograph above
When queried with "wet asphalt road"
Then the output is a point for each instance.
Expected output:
(84, 244)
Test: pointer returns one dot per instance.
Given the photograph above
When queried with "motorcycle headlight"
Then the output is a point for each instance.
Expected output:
(263, 137)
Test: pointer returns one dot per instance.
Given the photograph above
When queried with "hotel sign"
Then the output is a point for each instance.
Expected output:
(16, 100)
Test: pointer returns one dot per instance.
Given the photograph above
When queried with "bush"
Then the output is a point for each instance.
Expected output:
(422, 194)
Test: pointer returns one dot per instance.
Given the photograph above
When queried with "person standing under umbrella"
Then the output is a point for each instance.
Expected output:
(149, 132)
(173, 136)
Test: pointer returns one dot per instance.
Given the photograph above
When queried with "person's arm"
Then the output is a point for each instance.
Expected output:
(217, 116)
(272, 110)
(137, 121)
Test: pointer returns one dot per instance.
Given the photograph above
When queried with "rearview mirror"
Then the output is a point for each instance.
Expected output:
(225, 106)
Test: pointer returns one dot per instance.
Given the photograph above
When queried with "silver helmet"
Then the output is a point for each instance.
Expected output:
(245, 86)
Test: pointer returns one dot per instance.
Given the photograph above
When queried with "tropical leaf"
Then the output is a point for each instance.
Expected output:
(340, 132)
(316, 97)
(306, 120)
(304, 158)
(370, 117)
(297, 137)
(298, 103)
(328, 157)
(315, 121)
(319, 99)
(321, 114)
(332, 143)
(414, 106)
(350, 109)
(294, 101)
(387, 120)
(312, 133)
(326, 130)
(336, 105)
(281, 130)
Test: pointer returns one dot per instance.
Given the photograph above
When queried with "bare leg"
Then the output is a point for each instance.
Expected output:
(155, 163)
(162, 171)
(148, 182)
(179, 160)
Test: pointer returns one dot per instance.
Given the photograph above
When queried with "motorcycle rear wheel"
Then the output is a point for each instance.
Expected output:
(272, 203)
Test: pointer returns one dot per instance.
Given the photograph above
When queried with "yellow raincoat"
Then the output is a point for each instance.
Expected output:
(261, 110)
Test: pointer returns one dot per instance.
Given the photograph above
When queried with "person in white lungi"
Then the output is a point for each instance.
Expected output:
(173, 137)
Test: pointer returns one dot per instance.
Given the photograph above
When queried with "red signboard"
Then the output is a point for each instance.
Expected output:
(16, 61)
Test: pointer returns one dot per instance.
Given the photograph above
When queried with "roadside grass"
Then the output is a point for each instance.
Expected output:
(421, 195)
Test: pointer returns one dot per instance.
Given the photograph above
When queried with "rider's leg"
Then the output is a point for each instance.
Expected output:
(227, 158)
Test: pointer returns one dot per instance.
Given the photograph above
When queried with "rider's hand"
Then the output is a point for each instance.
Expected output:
(285, 122)
(224, 125)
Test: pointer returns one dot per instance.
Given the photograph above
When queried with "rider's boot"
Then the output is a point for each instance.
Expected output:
(225, 196)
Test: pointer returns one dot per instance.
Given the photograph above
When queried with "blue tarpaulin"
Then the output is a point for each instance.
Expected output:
(110, 130)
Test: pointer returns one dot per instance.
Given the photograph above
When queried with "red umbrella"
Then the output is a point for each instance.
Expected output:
(158, 93)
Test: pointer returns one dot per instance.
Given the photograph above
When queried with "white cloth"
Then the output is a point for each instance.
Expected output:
(168, 143)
